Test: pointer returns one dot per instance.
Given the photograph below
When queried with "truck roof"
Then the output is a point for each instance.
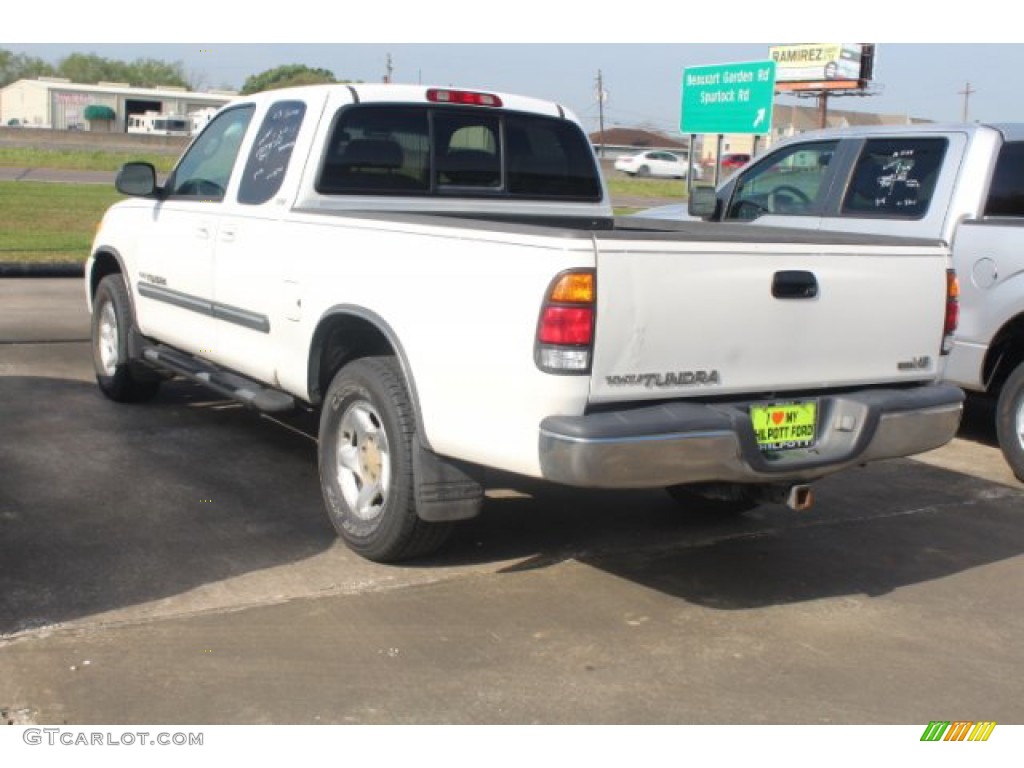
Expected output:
(1011, 131)
(405, 93)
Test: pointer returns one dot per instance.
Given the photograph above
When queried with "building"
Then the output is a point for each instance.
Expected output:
(53, 102)
(616, 142)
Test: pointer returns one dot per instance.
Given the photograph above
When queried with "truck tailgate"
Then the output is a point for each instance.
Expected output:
(682, 318)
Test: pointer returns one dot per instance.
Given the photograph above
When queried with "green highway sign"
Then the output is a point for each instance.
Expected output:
(728, 98)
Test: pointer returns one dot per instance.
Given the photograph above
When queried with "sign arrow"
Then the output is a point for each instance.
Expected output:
(759, 119)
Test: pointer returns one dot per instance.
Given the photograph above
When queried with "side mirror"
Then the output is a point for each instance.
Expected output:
(136, 180)
(703, 201)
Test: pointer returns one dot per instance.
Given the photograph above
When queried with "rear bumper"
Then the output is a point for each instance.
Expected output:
(675, 443)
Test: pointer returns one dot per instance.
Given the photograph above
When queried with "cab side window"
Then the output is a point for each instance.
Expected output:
(205, 170)
(1006, 195)
(894, 178)
(789, 183)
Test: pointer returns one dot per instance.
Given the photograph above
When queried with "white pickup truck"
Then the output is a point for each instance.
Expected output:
(962, 184)
(440, 273)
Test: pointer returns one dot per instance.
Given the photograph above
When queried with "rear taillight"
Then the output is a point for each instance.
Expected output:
(565, 330)
(566, 326)
(472, 98)
(952, 311)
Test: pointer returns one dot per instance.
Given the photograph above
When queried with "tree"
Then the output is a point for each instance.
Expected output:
(90, 68)
(152, 73)
(286, 76)
(141, 73)
(18, 66)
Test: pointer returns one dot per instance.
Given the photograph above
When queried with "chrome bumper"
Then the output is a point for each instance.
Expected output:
(675, 443)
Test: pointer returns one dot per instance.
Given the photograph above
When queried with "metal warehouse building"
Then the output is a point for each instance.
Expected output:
(53, 102)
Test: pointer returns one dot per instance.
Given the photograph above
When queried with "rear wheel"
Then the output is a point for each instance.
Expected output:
(119, 377)
(366, 469)
(1010, 421)
(733, 504)
(644, 171)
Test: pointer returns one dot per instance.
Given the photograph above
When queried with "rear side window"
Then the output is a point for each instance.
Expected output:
(384, 149)
(1006, 196)
(895, 178)
(271, 151)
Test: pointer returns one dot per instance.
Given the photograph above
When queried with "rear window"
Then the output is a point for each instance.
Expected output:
(1006, 195)
(895, 178)
(384, 149)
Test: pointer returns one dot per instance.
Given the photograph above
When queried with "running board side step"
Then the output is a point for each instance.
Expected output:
(231, 385)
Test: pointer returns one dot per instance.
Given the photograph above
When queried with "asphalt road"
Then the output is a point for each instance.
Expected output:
(172, 563)
(55, 175)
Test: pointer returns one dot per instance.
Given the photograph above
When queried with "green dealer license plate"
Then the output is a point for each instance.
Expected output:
(783, 426)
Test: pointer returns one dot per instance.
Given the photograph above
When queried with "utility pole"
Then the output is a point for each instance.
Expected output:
(388, 69)
(601, 96)
(966, 93)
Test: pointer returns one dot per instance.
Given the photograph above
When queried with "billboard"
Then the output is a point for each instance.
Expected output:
(822, 66)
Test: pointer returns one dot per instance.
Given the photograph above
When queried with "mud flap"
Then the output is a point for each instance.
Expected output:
(446, 489)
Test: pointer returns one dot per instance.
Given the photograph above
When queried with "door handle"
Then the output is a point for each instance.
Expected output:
(203, 231)
(227, 234)
(794, 284)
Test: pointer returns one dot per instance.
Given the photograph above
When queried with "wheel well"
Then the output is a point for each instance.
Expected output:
(338, 340)
(103, 264)
(1005, 353)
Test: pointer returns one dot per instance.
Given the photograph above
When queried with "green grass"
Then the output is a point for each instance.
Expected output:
(625, 186)
(79, 159)
(42, 222)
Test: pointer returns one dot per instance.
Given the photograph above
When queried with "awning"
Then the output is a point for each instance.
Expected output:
(98, 112)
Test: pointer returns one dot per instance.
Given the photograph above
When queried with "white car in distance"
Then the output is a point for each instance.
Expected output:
(656, 163)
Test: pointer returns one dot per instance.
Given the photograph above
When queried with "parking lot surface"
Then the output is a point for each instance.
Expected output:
(172, 563)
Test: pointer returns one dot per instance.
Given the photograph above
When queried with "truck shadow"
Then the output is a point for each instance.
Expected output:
(873, 530)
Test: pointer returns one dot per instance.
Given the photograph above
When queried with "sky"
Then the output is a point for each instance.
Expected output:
(529, 47)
